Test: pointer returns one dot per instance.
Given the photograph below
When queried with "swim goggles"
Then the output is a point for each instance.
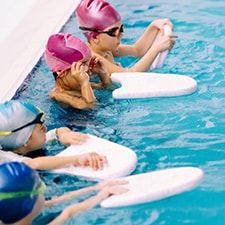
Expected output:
(21, 194)
(111, 32)
(40, 118)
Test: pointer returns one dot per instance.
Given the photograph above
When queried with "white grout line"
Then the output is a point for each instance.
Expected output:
(21, 49)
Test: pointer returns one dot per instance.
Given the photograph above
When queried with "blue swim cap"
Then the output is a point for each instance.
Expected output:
(17, 177)
(14, 114)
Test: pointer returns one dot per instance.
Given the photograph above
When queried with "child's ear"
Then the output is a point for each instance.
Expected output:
(96, 40)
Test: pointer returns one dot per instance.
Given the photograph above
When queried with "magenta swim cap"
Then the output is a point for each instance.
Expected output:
(96, 14)
(64, 49)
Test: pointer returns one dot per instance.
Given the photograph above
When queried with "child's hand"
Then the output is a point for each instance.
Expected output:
(159, 24)
(98, 66)
(166, 42)
(76, 68)
(92, 159)
(78, 71)
(69, 137)
(108, 183)
(112, 190)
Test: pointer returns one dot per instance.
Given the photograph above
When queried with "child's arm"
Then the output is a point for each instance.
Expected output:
(146, 61)
(92, 159)
(72, 98)
(72, 210)
(144, 43)
(69, 195)
(80, 95)
(82, 191)
(143, 48)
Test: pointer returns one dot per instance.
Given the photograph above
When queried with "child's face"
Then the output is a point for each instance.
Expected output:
(37, 138)
(111, 42)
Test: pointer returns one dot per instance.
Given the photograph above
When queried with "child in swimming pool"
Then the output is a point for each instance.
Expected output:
(22, 199)
(72, 65)
(102, 26)
(22, 131)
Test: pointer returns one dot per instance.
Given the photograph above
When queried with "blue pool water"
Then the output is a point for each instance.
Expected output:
(164, 132)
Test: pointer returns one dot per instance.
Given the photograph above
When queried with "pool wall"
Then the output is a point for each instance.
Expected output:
(25, 26)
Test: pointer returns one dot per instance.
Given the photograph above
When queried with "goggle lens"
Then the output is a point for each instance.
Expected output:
(111, 32)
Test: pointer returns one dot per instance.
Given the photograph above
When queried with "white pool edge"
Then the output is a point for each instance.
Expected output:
(24, 45)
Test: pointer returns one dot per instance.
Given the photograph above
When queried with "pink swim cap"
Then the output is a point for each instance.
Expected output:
(64, 49)
(96, 14)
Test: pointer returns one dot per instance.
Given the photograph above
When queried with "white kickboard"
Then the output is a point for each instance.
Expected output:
(148, 85)
(161, 57)
(122, 161)
(152, 186)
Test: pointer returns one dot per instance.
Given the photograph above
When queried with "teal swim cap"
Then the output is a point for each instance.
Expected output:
(15, 114)
(19, 189)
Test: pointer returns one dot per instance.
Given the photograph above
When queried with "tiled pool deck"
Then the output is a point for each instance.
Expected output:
(25, 26)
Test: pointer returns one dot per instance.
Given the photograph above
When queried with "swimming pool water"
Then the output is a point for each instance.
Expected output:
(164, 132)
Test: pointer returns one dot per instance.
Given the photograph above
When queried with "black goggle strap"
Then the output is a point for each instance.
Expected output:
(90, 29)
(39, 119)
(111, 31)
